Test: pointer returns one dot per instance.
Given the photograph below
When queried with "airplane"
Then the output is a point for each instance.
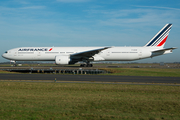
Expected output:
(72, 55)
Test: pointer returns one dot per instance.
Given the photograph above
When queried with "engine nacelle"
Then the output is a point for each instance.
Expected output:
(62, 60)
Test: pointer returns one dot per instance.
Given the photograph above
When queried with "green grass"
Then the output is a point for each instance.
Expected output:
(161, 72)
(20, 100)
(1, 71)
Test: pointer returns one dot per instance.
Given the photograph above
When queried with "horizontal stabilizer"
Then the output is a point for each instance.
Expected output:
(165, 49)
(162, 51)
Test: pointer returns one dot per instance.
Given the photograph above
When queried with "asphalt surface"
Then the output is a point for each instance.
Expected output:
(91, 78)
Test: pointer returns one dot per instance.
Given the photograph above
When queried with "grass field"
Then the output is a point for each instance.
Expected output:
(22, 100)
(161, 72)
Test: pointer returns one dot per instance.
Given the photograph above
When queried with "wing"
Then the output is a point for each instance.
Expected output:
(85, 55)
(89, 53)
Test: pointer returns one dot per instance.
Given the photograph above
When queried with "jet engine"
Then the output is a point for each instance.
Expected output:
(62, 60)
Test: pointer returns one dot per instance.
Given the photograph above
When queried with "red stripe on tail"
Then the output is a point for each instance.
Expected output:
(162, 42)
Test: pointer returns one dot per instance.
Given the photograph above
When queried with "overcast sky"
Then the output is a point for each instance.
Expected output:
(46, 23)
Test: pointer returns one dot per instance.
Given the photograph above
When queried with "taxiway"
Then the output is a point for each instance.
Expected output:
(91, 78)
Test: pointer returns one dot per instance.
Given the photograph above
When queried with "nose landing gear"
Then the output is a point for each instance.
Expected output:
(14, 63)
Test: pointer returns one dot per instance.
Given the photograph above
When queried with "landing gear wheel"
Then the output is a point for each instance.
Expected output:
(86, 65)
(14, 63)
(82, 65)
(89, 65)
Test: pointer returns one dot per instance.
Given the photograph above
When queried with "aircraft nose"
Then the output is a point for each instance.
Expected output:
(4, 55)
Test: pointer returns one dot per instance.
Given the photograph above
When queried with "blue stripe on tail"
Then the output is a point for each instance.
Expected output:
(160, 35)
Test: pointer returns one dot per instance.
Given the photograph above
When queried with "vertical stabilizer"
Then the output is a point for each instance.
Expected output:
(160, 38)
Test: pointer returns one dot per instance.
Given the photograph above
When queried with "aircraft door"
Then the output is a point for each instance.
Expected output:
(108, 53)
(36, 55)
(39, 54)
(140, 53)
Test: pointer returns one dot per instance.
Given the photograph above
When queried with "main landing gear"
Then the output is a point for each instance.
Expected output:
(87, 64)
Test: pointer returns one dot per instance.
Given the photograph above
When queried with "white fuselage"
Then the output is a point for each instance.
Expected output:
(72, 55)
(111, 54)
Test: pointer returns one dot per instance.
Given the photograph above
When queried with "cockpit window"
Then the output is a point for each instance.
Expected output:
(6, 52)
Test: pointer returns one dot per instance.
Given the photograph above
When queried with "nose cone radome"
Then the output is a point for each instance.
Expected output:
(4, 55)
